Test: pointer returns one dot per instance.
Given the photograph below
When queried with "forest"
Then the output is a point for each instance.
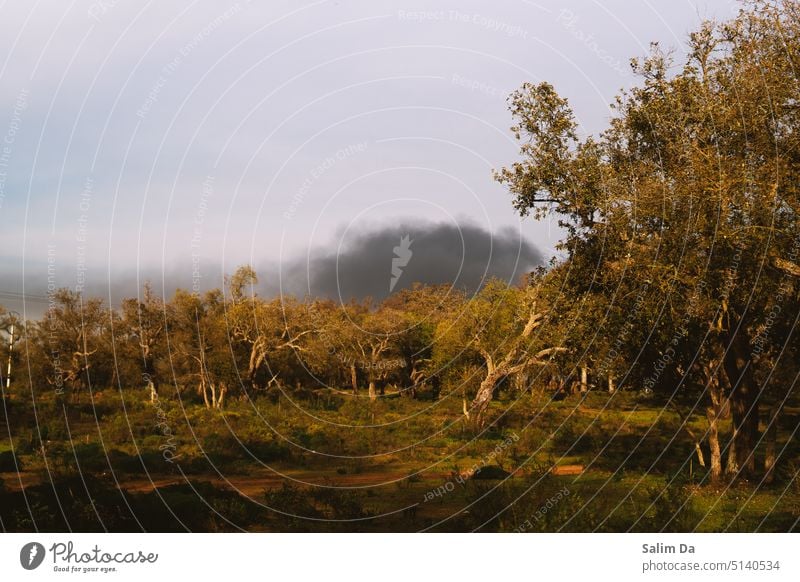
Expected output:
(644, 380)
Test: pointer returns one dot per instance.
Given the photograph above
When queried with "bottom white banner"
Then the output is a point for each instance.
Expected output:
(389, 557)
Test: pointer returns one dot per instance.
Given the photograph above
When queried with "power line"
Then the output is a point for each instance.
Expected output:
(24, 297)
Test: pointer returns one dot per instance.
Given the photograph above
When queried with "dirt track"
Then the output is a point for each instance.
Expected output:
(250, 485)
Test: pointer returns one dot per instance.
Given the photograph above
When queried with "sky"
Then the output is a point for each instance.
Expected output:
(173, 141)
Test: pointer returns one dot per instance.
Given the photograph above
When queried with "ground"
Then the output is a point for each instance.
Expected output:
(330, 462)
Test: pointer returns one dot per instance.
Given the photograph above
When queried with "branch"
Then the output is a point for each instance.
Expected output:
(534, 321)
(290, 343)
(788, 267)
(361, 347)
(488, 358)
(546, 352)
(536, 359)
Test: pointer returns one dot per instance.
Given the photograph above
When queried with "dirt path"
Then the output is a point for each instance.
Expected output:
(253, 485)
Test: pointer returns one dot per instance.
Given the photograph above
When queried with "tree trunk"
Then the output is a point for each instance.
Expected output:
(253, 366)
(223, 389)
(204, 390)
(611, 387)
(699, 451)
(713, 442)
(507, 367)
(732, 465)
(354, 378)
(153, 392)
(584, 379)
(372, 395)
(771, 438)
(744, 406)
(484, 397)
(714, 383)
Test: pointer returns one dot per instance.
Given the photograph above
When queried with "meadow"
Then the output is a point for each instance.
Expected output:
(279, 464)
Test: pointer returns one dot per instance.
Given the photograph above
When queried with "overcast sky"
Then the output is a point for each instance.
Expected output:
(165, 139)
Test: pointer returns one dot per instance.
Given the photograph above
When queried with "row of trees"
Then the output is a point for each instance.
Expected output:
(232, 342)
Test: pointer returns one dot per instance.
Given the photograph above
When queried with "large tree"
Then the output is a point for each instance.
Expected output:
(684, 211)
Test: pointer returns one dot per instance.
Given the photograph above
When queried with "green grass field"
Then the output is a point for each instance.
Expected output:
(333, 463)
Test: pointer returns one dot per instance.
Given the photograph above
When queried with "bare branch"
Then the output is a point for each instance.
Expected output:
(788, 267)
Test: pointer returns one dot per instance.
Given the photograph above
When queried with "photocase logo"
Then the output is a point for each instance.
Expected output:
(402, 254)
(31, 555)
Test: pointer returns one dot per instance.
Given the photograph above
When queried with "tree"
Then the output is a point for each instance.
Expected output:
(689, 196)
(422, 309)
(497, 328)
(198, 337)
(266, 329)
(145, 322)
(71, 330)
(375, 335)
(12, 328)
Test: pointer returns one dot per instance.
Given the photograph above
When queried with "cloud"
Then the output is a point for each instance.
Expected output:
(365, 264)
(354, 265)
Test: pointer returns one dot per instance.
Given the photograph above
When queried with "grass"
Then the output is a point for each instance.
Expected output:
(340, 464)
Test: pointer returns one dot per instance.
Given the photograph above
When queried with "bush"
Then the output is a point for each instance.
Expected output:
(671, 509)
(9, 463)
